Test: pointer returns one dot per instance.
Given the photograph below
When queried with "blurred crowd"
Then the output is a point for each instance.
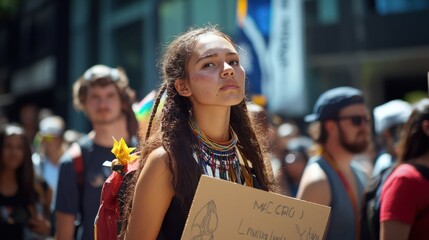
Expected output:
(309, 159)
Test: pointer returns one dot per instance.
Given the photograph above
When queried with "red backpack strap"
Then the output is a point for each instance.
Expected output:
(77, 159)
(75, 152)
(78, 168)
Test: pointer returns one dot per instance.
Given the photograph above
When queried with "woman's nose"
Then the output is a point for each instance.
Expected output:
(227, 70)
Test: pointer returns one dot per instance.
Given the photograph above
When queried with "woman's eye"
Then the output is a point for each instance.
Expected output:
(208, 65)
(234, 62)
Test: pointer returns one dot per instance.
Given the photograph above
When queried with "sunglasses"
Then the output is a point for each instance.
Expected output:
(356, 120)
(48, 138)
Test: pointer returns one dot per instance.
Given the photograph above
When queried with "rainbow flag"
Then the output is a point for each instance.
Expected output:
(143, 109)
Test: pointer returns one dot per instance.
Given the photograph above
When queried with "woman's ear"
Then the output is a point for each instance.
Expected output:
(182, 87)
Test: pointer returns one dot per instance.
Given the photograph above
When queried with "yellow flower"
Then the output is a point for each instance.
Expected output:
(122, 152)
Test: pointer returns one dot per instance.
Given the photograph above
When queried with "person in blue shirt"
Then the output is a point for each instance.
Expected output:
(103, 94)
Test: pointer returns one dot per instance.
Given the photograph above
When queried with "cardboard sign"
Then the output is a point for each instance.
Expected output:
(225, 210)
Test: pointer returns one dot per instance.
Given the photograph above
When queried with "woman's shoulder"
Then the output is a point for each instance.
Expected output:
(404, 173)
(156, 172)
(158, 159)
(405, 170)
(158, 154)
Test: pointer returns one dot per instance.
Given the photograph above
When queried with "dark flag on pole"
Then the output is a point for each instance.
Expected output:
(252, 37)
(270, 34)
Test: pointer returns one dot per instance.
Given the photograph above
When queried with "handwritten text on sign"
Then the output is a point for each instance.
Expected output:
(224, 210)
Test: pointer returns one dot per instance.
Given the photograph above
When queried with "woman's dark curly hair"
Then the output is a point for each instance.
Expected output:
(414, 141)
(172, 131)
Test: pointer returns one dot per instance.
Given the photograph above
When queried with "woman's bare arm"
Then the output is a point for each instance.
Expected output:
(394, 230)
(152, 197)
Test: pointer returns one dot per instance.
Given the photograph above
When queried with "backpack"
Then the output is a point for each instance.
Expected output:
(370, 211)
(108, 221)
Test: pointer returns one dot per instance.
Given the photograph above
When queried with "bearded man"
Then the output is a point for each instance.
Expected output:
(331, 178)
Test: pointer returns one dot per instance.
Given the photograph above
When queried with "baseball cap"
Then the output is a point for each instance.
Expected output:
(101, 71)
(390, 114)
(51, 126)
(332, 101)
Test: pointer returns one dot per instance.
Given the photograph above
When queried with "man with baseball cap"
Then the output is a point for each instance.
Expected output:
(331, 178)
(389, 118)
(46, 160)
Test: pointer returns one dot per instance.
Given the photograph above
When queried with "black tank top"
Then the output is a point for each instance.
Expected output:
(175, 218)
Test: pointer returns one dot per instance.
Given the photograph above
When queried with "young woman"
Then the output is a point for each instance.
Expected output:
(204, 129)
(404, 212)
(24, 199)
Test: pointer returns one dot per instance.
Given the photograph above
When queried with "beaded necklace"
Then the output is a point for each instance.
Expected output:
(217, 159)
(217, 146)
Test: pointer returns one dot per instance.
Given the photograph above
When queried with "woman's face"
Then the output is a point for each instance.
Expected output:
(13, 152)
(216, 77)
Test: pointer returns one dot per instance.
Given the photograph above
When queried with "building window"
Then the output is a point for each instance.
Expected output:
(322, 12)
(128, 51)
(328, 11)
(384, 7)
